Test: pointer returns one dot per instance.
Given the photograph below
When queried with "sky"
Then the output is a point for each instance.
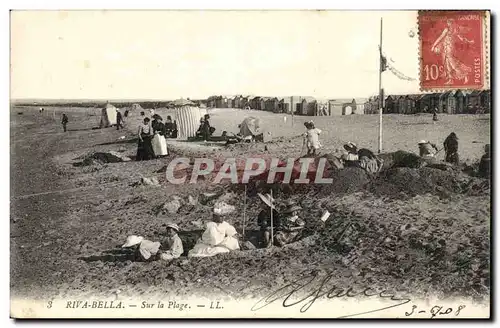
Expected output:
(196, 54)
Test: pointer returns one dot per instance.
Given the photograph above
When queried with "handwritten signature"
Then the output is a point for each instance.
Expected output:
(315, 287)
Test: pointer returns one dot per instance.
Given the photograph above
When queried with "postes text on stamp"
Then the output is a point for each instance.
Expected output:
(451, 49)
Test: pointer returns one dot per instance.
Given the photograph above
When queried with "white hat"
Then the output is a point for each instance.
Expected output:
(133, 240)
(421, 142)
(350, 146)
(173, 226)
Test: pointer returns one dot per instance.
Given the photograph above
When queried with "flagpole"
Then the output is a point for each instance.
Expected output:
(380, 95)
(272, 219)
(244, 212)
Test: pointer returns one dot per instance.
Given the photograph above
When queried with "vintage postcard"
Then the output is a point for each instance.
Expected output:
(250, 164)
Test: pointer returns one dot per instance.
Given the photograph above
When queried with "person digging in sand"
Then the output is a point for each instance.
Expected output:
(451, 148)
(485, 163)
(427, 150)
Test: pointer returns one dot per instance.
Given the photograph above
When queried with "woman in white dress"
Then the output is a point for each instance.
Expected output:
(219, 237)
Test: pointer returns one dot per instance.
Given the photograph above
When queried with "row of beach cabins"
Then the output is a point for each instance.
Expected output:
(451, 102)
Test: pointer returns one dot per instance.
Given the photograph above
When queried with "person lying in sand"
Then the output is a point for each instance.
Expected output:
(369, 161)
(144, 250)
(147, 250)
(219, 237)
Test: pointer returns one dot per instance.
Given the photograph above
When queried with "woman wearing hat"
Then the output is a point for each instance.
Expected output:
(219, 237)
(264, 219)
(485, 163)
(427, 149)
(206, 128)
(451, 148)
(352, 154)
(144, 146)
(291, 227)
(169, 127)
(173, 244)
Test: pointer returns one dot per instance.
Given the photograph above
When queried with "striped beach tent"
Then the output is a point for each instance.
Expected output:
(187, 115)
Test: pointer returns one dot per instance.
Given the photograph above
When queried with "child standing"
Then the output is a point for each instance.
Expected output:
(311, 138)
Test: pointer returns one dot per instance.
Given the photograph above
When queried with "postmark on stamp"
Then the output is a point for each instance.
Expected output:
(451, 49)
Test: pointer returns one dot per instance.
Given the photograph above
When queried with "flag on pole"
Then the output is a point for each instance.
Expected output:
(400, 75)
(383, 63)
(387, 65)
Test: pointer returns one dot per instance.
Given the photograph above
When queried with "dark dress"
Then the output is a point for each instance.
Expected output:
(145, 147)
(264, 220)
(119, 121)
(174, 131)
(64, 121)
(485, 166)
(451, 149)
(169, 129)
(160, 128)
(205, 129)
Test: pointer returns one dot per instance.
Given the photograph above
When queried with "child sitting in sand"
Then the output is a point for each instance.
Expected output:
(311, 138)
(173, 244)
(291, 227)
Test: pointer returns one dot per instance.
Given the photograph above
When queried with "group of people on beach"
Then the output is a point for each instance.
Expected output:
(277, 227)
(367, 160)
(219, 237)
(152, 137)
(205, 130)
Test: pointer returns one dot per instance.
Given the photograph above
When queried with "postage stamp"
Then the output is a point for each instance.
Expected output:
(452, 49)
(177, 168)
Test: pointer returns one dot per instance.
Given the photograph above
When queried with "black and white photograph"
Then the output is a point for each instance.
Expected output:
(250, 164)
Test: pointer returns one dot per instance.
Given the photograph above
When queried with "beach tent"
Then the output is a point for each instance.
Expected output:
(108, 116)
(187, 115)
(250, 127)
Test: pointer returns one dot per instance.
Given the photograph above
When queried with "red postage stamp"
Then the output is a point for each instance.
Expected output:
(451, 49)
